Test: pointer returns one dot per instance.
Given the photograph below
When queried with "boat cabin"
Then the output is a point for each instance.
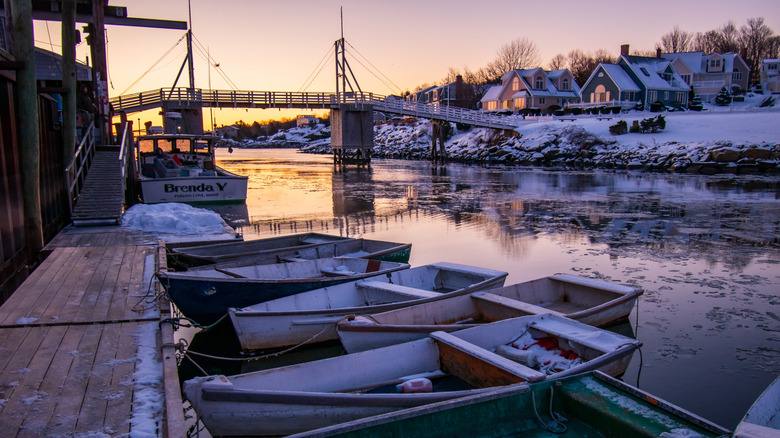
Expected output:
(165, 156)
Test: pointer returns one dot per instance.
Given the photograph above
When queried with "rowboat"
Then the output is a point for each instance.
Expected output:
(589, 404)
(312, 315)
(444, 366)
(205, 295)
(762, 420)
(589, 301)
(180, 168)
(297, 246)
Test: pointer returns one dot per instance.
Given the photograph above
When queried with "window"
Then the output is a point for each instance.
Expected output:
(492, 105)
(601, 74)
(541, 101)
(771, 66)
(666, 96)
(644, 70)
(653, 96)
(565, 84)
(539, 83)
(680, 97)
(516, 84)
(736, 76)
(520, 102)
(687, 79)
(601, 94)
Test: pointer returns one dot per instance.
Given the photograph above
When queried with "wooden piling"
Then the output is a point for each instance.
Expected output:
(29, 136)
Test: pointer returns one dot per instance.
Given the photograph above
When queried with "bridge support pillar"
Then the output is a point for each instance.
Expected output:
(352, 133)
(438, 151)
(182, 116)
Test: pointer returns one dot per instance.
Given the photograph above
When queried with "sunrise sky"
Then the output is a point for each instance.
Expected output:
(277, 45)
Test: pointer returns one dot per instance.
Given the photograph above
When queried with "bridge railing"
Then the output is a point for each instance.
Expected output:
(283, 99)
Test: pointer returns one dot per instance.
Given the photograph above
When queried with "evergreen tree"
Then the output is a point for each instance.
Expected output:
(723, 98)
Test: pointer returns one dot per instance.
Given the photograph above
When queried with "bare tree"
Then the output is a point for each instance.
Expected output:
(729, 38)
(705, 41)
(558, 62)
(755, 38)
(582, 64)
(676, 41)
(517, 54)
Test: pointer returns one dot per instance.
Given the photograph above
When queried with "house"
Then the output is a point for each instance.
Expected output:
(708, 74)
(456, 93)
(770, 75)
(635, 79)
(305, 120)
(422, 96)
(536, 89)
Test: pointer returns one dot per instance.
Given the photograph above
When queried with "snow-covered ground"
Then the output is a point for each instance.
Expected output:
(750, 134)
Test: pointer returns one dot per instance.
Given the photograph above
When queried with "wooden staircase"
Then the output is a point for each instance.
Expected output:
(101, 200)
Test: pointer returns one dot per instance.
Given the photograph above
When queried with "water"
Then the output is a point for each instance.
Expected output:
(706, 249)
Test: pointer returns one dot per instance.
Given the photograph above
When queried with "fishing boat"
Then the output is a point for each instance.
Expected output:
(312, 316)
(593, 302)
(589, 404)
(762, 420)
(205, 295)
(294, 247)
(181, 168)
(444, 366)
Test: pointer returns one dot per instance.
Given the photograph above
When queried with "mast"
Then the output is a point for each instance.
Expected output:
(189, 48)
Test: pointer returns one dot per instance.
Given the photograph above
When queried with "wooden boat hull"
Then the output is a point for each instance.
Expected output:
(762, 420)
(225, 187)
(305, 246)
(589, 301)
(204, 296)
(593, 404)
(321, 393)
(312, 316)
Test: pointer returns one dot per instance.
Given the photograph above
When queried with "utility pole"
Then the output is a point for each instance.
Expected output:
(29, 139)
(99, 66)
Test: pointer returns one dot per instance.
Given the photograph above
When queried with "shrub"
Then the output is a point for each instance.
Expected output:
(695, 104)
(559, 112)
(615, 110)
(619, 128)
(635, 126)
(652, 124)
(576, 111)
(657, 107)
(605, 110)
(723, 98)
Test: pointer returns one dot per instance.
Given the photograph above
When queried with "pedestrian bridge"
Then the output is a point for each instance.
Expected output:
(145, 100)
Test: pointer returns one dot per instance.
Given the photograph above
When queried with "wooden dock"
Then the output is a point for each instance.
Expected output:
(82, 350)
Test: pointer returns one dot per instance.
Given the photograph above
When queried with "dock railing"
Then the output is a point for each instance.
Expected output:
(76, 170)
(125, 155)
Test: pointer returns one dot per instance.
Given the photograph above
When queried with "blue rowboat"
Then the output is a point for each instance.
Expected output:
(205, 295)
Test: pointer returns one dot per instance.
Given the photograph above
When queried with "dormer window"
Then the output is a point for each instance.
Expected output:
(539, 83)
(565, 84)
(644, 70)
(515, 84)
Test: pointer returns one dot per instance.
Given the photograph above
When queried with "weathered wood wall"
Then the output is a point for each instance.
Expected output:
(14, 266)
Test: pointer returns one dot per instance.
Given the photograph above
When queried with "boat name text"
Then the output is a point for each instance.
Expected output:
(202, 187)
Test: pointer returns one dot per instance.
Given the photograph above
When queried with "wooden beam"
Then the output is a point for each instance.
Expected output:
(116, 21)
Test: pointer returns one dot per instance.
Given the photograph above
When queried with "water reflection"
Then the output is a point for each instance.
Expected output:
(704, 248)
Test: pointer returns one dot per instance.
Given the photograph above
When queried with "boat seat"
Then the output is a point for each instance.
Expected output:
(521, 306)
(526, 373)
(397, 289)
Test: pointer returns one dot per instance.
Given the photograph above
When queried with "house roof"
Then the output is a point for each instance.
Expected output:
(697, 61)
(492, 93)
(647, 70)
(619, 76)
(48, 66)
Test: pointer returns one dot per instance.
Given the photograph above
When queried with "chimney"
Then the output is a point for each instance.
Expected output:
(658, 52)
(624, 49)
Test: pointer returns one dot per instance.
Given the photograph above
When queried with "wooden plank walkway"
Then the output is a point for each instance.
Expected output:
(102, 198)
(81, 343)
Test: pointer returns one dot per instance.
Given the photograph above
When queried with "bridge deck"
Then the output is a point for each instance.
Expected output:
(310, 100)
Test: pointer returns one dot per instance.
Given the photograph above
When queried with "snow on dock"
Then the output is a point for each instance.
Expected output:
(82, 352)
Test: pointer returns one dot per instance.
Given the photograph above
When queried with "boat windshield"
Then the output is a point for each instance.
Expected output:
(202, 147)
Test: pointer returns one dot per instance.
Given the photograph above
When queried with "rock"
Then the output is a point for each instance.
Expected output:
(757, 154)
(725, 155)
